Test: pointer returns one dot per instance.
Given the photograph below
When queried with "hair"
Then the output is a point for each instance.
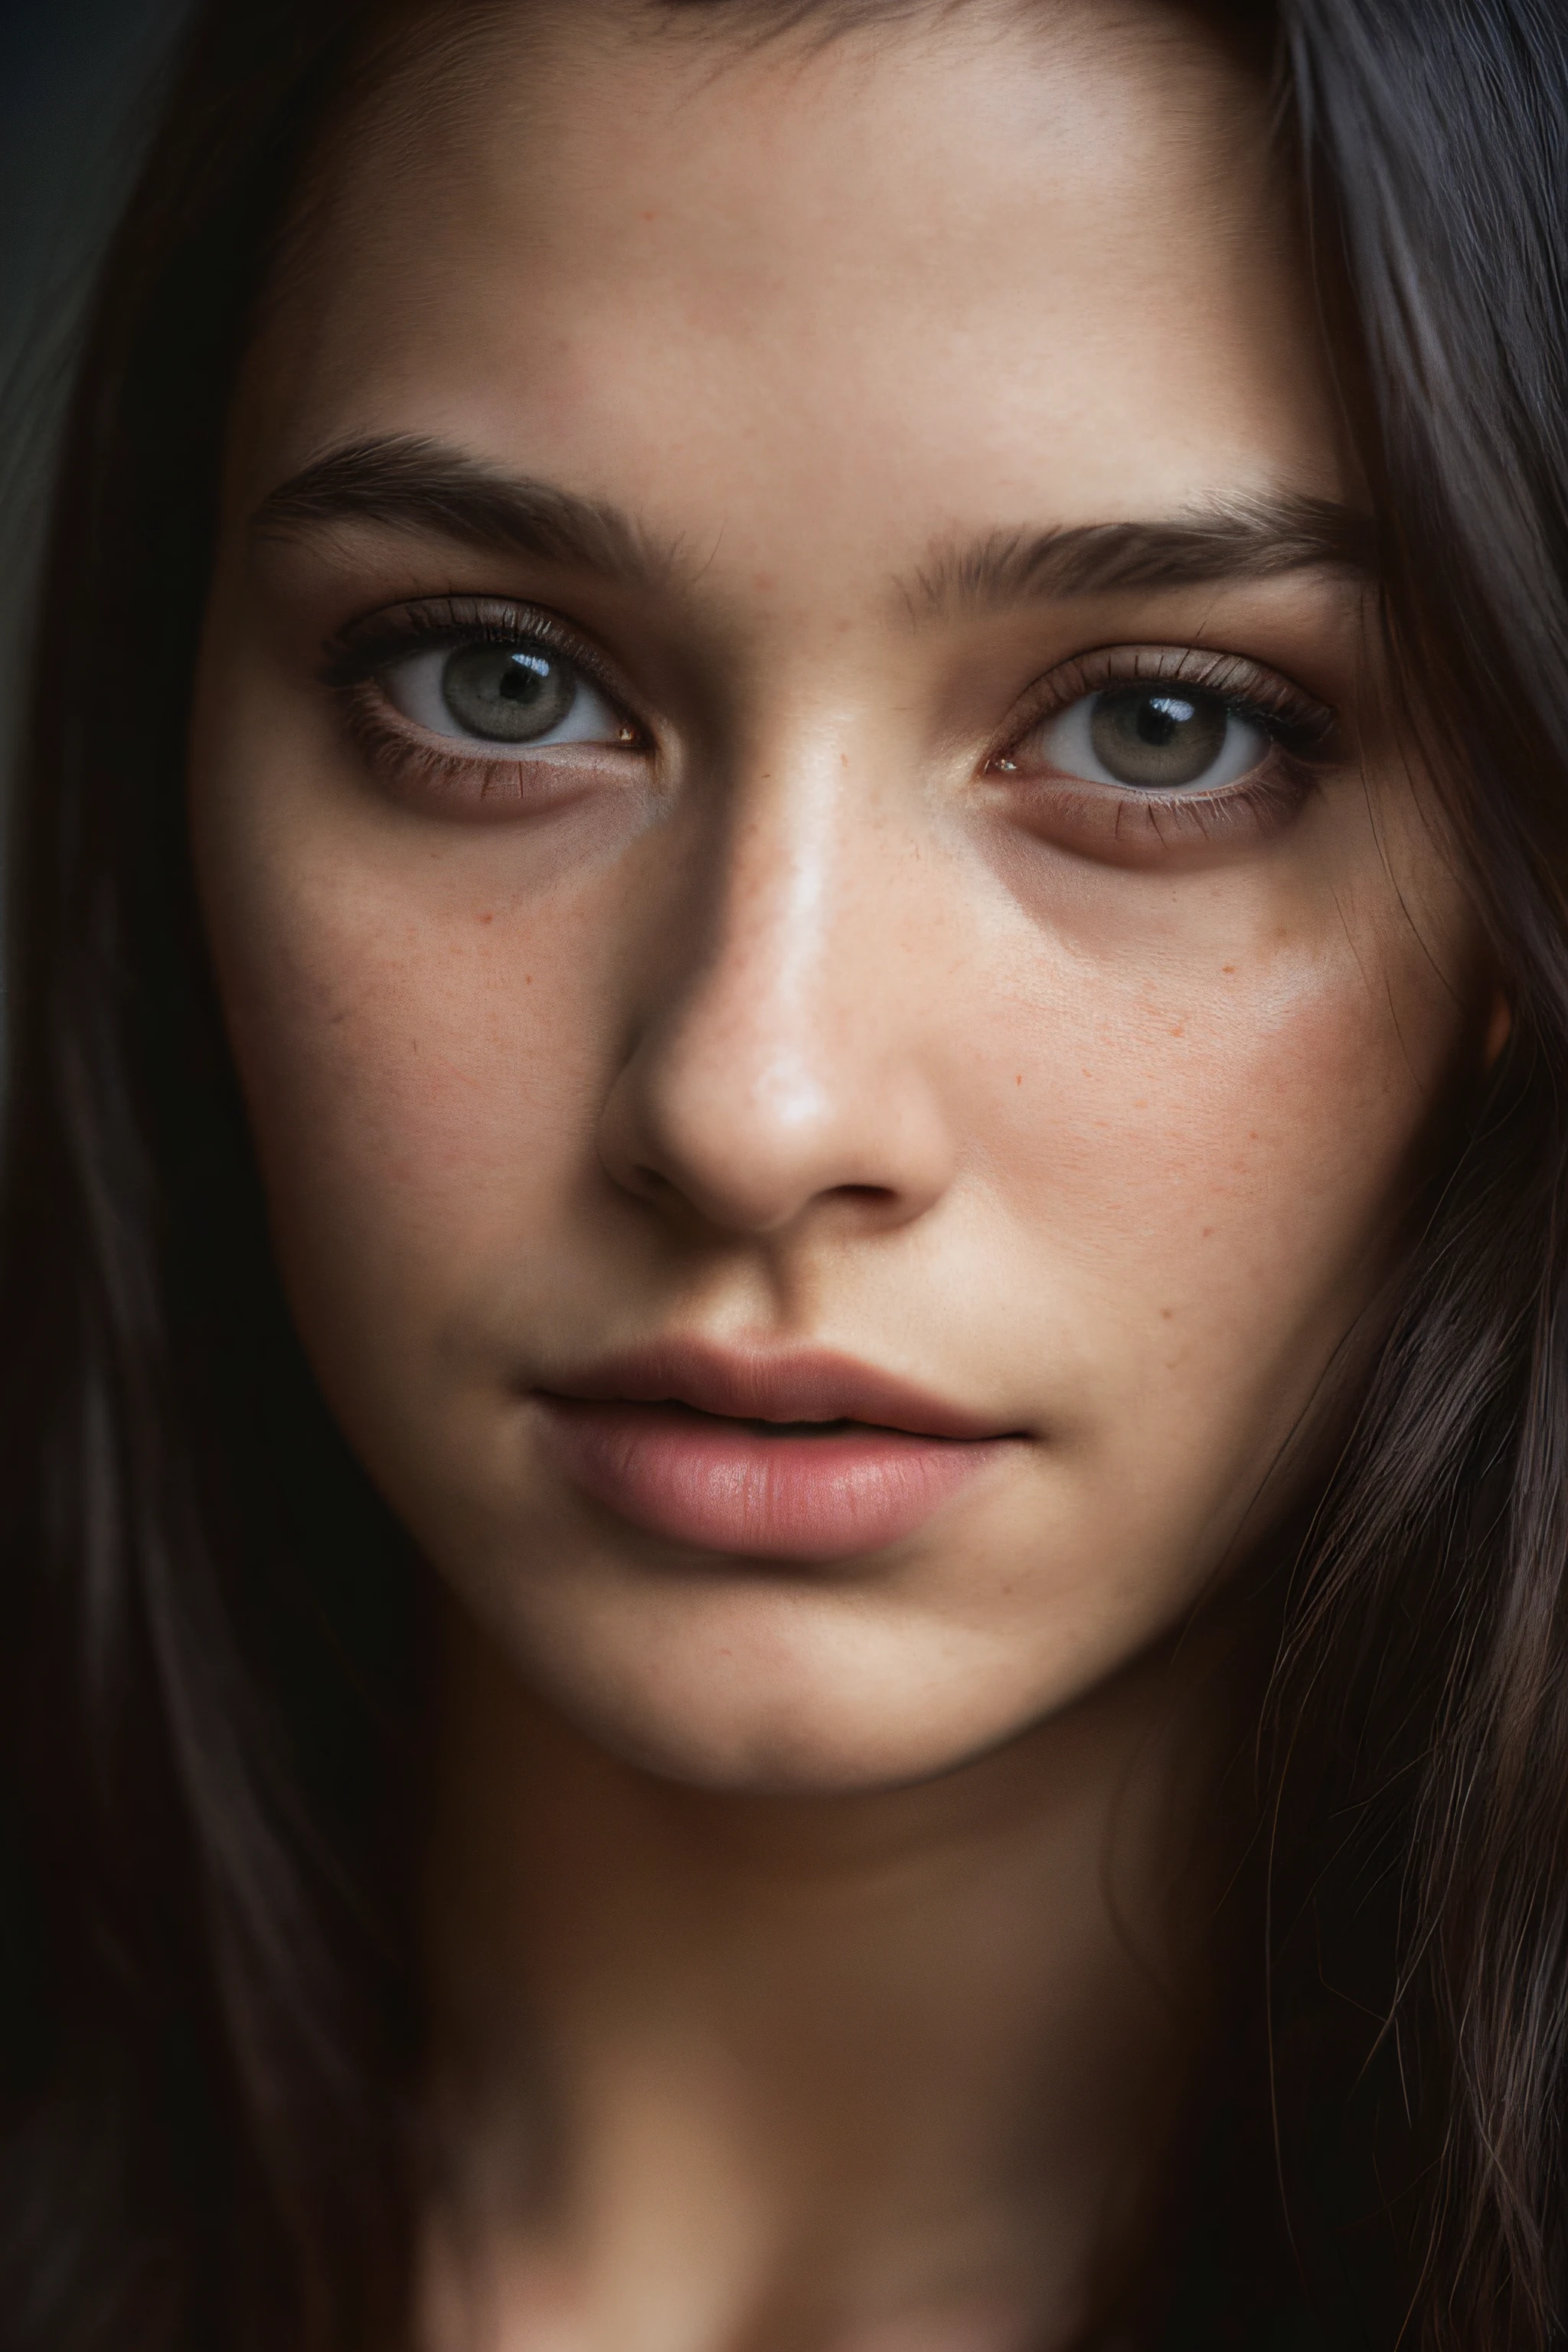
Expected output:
(209, 2021)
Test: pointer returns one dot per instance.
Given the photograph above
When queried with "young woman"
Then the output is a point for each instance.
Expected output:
(783, 1242)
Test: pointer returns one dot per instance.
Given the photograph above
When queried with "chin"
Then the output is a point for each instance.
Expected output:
(775, 1752)
(810, 1695)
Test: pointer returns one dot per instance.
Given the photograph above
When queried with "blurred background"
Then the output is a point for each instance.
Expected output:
(77, 81)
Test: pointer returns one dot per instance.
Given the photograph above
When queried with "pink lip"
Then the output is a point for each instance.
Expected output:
(674, 1439)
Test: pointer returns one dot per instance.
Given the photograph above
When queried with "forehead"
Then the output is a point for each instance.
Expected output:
(985, 263)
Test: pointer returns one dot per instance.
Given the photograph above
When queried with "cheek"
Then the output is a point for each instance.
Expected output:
(1251, 1103)
(1211, 1143)
(422, 1047)
(406, 1073)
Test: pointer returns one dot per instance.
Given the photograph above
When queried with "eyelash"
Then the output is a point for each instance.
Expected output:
(1299, 728)
(358, 657)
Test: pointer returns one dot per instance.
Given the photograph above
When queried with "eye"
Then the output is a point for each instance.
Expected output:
(521, 692)
(1153, 736)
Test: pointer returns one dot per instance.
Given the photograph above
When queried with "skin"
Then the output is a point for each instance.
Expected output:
(802, 1933)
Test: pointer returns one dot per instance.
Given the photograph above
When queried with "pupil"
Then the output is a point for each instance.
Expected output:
(523, 677)
(1156, 737)
(1159, 719)
(508, 694)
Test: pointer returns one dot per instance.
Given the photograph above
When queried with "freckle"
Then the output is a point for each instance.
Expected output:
(487, 919)
(1227, 967)
(1166, 1313)
(653, 216)
(1207, 1230)
(1178, 1033)
(1252, 1137)
(1019, 1079)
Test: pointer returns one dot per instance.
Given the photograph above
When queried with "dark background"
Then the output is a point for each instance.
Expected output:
(77, 83)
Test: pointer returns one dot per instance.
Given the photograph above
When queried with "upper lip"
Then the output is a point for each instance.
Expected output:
(795, 1384)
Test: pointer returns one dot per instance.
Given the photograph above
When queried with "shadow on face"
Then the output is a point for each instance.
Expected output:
(841, 980)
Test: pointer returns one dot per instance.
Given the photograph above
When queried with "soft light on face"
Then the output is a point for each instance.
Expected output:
(788, 794)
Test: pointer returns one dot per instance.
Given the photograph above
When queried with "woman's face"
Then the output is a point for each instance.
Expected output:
(838, 979)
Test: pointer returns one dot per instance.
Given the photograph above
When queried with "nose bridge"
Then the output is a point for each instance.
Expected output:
(777, 979)
(781, 1065)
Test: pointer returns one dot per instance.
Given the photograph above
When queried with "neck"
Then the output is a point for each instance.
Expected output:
(832, 2071)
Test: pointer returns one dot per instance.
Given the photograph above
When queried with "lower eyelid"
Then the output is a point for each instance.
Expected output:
(380, 728)
(441, 775)
(1128, 827)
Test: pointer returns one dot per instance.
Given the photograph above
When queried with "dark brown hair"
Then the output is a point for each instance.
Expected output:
(207, 2016)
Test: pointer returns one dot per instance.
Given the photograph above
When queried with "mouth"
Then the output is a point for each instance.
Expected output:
(797, 1455)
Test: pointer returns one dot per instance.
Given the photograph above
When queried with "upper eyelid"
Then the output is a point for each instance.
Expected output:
(373, 641)
(1229, 675)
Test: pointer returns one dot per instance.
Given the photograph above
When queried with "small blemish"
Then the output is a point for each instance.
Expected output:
(1178, 1033)
(1227, 967)
(1166, 1313)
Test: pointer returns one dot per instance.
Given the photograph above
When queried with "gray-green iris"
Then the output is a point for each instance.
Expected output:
(1157, 737)
(508, 694)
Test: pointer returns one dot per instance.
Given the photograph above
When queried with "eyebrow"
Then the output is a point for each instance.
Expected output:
(1246, 538)
(408, 483)
(405, 483)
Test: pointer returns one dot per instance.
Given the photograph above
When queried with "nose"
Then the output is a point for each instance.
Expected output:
(784, 1058)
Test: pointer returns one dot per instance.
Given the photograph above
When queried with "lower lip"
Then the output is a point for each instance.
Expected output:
(726, 1485)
